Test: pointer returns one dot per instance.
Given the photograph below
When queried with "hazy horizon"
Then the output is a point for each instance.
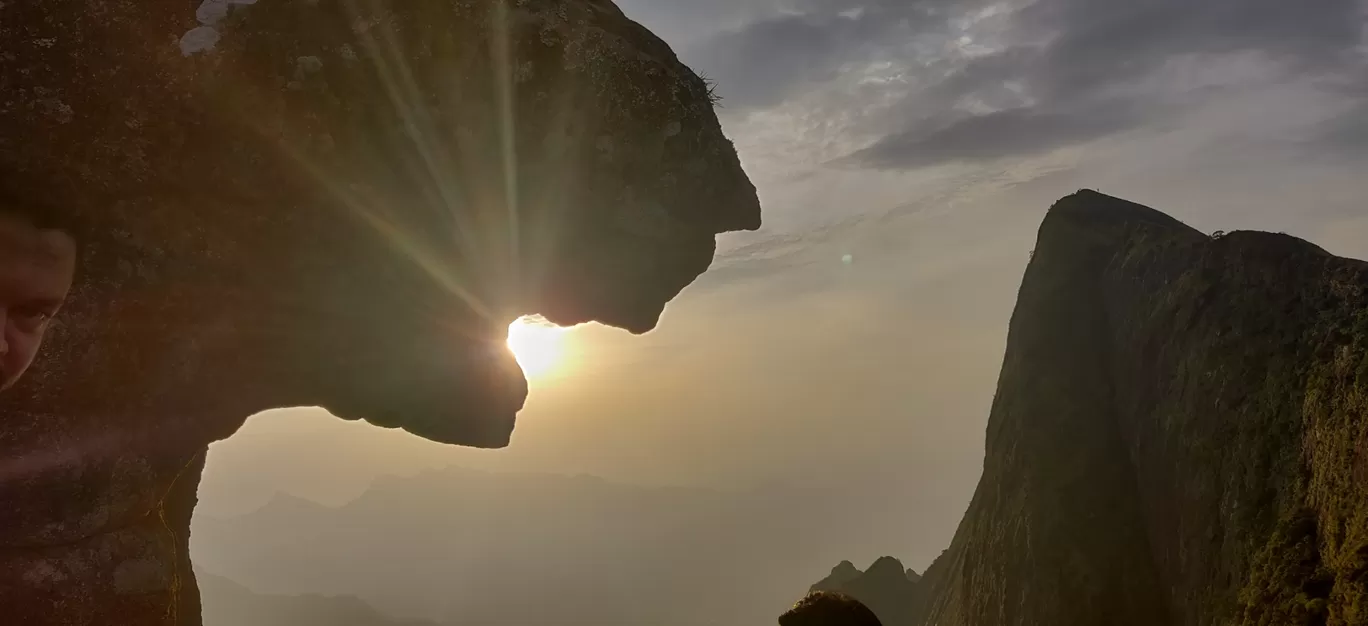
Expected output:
(905, 153)
(692, 555)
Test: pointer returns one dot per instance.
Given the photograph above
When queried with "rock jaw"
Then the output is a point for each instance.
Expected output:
(1171, 413)
(239, 205)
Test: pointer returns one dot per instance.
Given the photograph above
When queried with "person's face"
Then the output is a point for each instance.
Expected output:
(36, 270)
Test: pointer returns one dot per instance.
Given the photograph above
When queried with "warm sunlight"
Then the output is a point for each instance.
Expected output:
(536, 344)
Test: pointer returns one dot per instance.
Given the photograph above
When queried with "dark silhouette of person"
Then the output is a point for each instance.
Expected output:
(829, 608)
(37, 267)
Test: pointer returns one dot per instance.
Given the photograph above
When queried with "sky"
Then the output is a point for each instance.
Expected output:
(905, 152)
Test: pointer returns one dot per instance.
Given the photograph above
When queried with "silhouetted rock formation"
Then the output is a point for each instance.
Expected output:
(886, 587)
(317, 203)
(1180, 435)
(843, 573)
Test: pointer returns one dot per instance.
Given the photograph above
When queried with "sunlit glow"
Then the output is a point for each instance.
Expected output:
(537, 344)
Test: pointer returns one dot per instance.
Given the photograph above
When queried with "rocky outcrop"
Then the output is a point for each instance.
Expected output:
(886, 587)
(1179, 435)
(317, 202)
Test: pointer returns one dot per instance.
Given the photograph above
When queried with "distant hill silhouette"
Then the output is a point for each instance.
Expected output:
(227, 603)
(886, 587)
(471, 548)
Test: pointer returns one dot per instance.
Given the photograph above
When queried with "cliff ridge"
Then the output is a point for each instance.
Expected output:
(1179, 435)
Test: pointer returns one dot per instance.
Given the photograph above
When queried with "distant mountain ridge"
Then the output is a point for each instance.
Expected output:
(227, 603)
(469, 547)
(885, 587)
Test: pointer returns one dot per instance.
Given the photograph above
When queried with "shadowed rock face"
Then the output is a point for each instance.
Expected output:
(317, 202)
(1179, 437)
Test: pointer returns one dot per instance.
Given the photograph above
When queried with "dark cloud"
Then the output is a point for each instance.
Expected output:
(999, 134)
(1048, 73)
(763, 62)
(1100, 42)
(682, 22)
(1343, 135)
(1146, 29)
(1076, 63)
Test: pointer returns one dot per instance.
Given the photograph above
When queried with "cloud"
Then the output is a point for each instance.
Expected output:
(765, 61)
(998, 134)
(979, 80)
(1086, 69)
(1110, 35)
(1344, 134)
(681, 23)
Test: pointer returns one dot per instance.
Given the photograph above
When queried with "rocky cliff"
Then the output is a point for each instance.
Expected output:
(316, 202)
(1179, 435)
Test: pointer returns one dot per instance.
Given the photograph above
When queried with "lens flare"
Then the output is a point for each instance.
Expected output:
(538, 345)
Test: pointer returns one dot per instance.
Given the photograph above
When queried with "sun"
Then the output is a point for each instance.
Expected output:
(538, 345)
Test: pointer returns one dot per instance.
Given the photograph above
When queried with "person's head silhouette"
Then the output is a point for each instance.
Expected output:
(37, 267)
(829, 608)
